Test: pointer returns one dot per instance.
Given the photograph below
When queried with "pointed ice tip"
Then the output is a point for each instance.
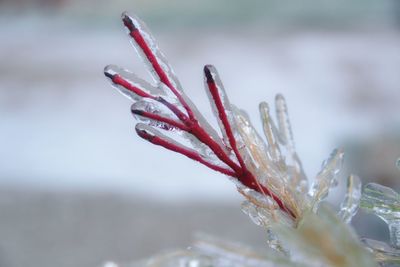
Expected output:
(263, 106)
(109, 71)
(279, 97)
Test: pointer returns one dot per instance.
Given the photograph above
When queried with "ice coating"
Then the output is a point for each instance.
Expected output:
(243, 154)
(383, 253)
(254, 150)
(268, 174)
(255, 155)
(145, 45)
(219, 101)
(270, 133)
(384, 202)
(284, 125)
(298, 178)
(156, 137)
(129, 84)
(350, 204)
(327, 177)
(154, 114)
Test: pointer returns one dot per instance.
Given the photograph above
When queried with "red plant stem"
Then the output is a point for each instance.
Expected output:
(159, 118)
(250, 181)
(222, 115)
(119, 80)
(246, 177)
(137, 36)
(191, 125)
(181, 150)
(205, 138)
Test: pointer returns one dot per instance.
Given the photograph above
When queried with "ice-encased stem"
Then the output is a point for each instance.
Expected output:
(155, 60)
(169, 93)
(222, 109)
(152, 114)
(270, 132)
(384, 202)
(327, 177)
(298, 178)
(350, 204)
(284, 125)
(150, 134)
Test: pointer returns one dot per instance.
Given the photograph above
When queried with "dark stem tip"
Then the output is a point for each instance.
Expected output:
(208, 74)
(136, 111)
(128, 22)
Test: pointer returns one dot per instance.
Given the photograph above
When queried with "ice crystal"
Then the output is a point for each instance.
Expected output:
(384, 202)
(268, 173)
(351, 202)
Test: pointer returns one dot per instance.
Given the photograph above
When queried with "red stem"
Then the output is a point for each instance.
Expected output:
(181, 150)
(119, 80)
(159, 118)
(137, 36)
(205, 138)
(246, 177)
(222, 115)
(191, 125)
(250, 181)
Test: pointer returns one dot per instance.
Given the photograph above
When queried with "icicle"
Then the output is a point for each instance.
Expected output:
(285, 127)
(147, 48)
(254, 153)
(253, 143)
(327, 177)
(298, 178)
(270, 131)
(384, 202)
(350, 204)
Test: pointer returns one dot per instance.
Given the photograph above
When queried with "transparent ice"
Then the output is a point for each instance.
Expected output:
(351, 201)
(383, 202)
(300, 229)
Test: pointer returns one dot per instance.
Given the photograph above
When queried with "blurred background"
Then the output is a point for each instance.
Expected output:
(78, 187)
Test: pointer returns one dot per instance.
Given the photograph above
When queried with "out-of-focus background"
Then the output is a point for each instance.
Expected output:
(78, 188)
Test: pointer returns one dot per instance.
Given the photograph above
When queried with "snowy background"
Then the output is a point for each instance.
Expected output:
(78, 187)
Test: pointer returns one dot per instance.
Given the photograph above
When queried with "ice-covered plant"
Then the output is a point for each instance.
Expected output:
(279, 197)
